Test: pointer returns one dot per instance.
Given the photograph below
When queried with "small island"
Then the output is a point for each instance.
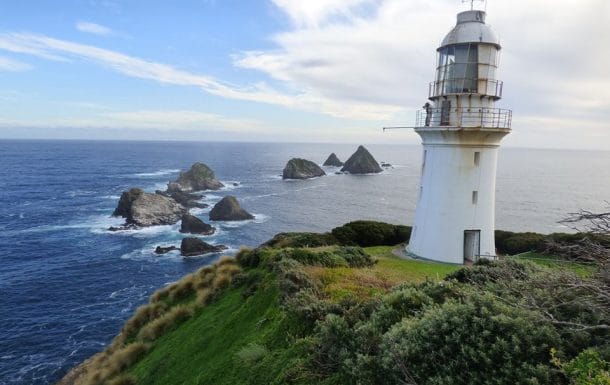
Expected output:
(199, 177)
(298, 168)
(142, 209)
(333, 161)
(229, 209)
(362, 162)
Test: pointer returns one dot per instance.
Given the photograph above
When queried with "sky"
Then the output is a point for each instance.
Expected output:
(289, 70)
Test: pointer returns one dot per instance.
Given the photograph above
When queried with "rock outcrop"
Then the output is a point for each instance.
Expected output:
(361, 162)
(198, 178)
(228, 209)
(187, 200)
(195, 246)
(333, 161)
(164, 250)
(144, 209)
(193, 225)
(297, 168)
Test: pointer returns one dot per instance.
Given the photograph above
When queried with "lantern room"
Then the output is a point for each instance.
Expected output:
(468, 59)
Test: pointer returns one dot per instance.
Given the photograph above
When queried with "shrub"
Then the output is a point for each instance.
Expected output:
(470, 342)
(510, 243)
(309, 308)
(246, 257)
(354, 256)
(371, 233)
(490, 272)
(308, 257)
(588, 368)
(292, 278)
(283, 240)
(252, 354)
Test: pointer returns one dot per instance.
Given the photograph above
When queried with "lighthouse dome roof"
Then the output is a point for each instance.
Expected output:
(471, 28)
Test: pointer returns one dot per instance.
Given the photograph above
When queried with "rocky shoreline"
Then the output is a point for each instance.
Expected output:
(141, 209)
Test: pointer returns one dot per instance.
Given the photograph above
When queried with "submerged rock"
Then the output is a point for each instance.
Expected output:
(333, 161)
(193, 225)
(198, 178)
(361, 162)
(228, 209)
(195, 246)
(386, 165)
(144, 209)
(297, 168)
(164, 250)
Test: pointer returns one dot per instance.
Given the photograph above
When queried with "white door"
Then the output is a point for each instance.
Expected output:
(472, 245)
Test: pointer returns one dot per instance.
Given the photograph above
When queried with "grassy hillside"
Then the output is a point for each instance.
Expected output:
(308, 309)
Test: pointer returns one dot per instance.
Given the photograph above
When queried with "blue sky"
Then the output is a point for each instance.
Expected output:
(288, 70)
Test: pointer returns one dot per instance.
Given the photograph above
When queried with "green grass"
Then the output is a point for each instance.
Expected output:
(206, 348)
(582, 270)
(389, 271)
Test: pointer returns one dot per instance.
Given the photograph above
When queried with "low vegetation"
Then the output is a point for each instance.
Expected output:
(341, 308)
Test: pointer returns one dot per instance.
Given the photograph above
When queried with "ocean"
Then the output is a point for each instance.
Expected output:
(67, 284)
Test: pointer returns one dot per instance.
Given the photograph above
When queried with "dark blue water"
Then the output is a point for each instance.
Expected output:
(67, 285)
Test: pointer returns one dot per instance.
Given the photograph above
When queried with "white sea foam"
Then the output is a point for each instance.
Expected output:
(229, 185)
(157, 173)
(258, 218)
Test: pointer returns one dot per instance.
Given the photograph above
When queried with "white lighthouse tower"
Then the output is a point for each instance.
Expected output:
(461, 130)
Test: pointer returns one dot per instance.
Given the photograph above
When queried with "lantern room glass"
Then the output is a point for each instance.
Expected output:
(461, 66)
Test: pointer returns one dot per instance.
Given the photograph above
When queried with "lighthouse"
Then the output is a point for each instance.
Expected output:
(461, 130)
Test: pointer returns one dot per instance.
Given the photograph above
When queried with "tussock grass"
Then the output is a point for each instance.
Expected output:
(142, 316)
(204, 296)
(166, 322)
(124, 379)
(182, 289)
(109, 364)
(167, 308)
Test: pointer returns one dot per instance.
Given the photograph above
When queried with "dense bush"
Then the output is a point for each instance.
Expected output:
(470, 342)
(371, 233)
(354, 256)
(588, 368)
(314, 258)
(282, 240)
(516, 243)
(484, 272)
(510, 243)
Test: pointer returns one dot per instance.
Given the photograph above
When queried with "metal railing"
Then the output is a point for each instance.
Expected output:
(486, 87)
(464, 117)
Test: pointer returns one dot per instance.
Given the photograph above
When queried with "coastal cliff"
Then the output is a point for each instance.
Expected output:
(347, 307)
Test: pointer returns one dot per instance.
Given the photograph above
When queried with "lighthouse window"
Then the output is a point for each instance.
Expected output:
(475, 197)
(477, 158)
(458, 68)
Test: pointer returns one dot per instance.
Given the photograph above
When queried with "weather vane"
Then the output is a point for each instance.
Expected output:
(472, 2)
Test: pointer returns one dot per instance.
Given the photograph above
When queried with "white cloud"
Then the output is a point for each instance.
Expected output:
(304, 99)
(11, 65)
(166, 120)
(555, 62)
(93, 28)
(315, 12)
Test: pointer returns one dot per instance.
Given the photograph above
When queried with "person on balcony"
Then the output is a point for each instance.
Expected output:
(428, 108)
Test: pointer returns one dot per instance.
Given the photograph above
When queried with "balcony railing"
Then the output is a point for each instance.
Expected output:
(486, 87)
(464, 117)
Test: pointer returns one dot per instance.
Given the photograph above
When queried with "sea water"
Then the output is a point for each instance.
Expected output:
(67, 284)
